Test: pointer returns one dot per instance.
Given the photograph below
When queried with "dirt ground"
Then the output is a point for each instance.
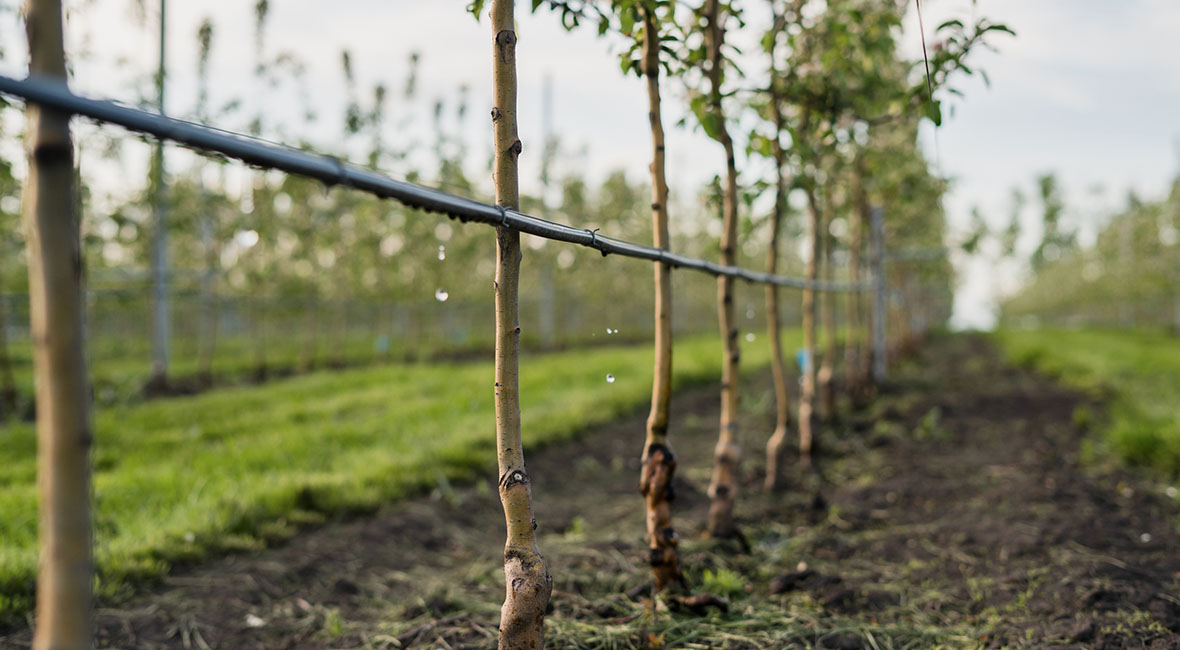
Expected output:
(952, 512)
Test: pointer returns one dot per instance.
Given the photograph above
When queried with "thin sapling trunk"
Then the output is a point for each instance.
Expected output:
(528, 584)
(776, 446)
(827, 369)
(64, 433)
(659, 463)
(727, 454)
(807, 393)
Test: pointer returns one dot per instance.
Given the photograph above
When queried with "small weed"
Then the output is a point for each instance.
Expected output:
(723, 582)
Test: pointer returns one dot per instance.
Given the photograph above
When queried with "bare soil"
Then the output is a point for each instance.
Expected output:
(954, 511)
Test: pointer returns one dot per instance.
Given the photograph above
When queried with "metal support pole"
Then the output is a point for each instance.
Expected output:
(877, 216)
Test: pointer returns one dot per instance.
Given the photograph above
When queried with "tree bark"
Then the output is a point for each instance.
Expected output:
(659, 463)
(727, 455)
(827, 369)
(778, 440)
(528, 584)
(64, 433)
(807, 393)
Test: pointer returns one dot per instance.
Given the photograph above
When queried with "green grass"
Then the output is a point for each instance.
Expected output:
(177, 479)
(1139, 371)
(120, 367)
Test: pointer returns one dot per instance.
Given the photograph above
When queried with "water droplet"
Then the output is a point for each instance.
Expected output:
(750, 337)
(611, 331)
(1171, 492)
(442, 253)
(441, 295)
(1145, 537)
(610, 379)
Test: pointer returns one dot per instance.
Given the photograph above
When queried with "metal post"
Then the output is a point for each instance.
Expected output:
(879, 288)
(161, 324)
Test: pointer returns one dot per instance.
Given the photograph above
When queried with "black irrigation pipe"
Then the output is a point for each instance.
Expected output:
(332, 171)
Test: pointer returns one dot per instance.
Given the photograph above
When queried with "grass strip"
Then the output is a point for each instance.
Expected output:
(1137, 372)
(178, 479)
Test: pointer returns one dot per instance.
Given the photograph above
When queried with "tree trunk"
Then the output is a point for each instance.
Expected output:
(528, 584)
(727, 454)
(856, 367)
(778, 441)
(659, 463)
(827, 370)
(64, 433)
(807, 394)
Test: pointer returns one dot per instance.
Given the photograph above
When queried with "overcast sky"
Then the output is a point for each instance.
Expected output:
(1089, 89)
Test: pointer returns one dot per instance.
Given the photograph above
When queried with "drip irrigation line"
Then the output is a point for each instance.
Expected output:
(332, 171)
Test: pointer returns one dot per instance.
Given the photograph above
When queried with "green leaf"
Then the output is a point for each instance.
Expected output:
(627, 22)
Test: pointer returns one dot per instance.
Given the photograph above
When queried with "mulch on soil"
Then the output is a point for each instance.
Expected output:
(953, 511)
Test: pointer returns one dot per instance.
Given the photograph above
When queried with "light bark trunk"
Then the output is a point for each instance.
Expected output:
(64, 433)
(807, 393)
(659, 463)
(777, 443)
(827, 370)
(727, 454)
(528, 583)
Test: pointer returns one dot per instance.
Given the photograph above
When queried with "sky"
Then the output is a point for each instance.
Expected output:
(1088, 89)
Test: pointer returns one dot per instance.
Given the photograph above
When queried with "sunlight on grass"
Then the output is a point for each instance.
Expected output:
(1139, 370)
(176, 479)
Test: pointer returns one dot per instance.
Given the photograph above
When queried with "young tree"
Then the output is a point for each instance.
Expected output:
(528, 584)
(827, 369)
(776, 445)
(64, 431)
(659, 463)
(727, 454)
(808, 389)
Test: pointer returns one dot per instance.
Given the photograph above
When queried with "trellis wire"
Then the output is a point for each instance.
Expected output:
(332, 171)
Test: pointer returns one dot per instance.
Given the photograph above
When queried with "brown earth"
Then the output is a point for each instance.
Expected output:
(952, 512)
